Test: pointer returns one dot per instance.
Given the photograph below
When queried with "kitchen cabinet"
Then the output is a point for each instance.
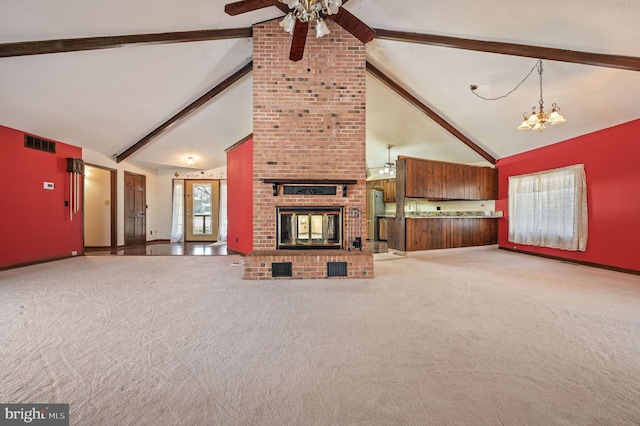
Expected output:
(387, 186)
(389, 189)
(448, 181)
(440, 232)
(392, 236)
(383, 228)
(375, 184)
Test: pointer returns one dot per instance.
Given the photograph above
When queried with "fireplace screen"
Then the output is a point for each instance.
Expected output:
(309, 227)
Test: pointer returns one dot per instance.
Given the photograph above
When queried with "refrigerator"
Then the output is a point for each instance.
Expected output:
(375, 208)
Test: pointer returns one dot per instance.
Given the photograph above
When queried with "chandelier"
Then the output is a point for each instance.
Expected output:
(310, 11)
(535, 121)
(389, 168)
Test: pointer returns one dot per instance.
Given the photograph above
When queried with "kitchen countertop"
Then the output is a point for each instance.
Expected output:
(455, 215)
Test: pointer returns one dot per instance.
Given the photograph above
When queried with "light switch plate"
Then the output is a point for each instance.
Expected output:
(48, 185)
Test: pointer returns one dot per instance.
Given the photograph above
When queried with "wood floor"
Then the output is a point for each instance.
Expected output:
(163, 249)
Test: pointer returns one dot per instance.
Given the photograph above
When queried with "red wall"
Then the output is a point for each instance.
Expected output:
(240, 198)
(612, 165)
(34, 222)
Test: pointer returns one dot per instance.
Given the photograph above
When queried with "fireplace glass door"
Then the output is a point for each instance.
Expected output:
(309, 228)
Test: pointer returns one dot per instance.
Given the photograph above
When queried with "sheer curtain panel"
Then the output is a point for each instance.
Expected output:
(549, 209)
(177, 220)
(222, 228)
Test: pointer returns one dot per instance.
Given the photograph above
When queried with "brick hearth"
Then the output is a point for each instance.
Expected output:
(308, 123)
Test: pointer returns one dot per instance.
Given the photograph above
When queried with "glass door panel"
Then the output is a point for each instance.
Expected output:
(303, 228)
(201, 207)
(315, 229)
(317, 222)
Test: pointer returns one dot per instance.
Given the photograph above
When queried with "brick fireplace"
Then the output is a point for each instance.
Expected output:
(308, 153)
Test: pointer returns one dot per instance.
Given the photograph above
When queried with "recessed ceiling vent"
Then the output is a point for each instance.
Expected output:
(39, 144)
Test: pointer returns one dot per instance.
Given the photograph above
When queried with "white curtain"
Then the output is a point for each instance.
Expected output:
(549, 209)
(222, 226)
(177, 222)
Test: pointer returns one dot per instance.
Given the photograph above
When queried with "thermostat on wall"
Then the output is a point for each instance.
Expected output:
(48, 185)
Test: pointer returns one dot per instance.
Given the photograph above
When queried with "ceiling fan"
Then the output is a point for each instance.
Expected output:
(300, 13)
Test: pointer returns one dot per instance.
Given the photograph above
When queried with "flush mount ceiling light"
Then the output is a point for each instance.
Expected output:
(190, 161)
(534, 120)
(389, 168)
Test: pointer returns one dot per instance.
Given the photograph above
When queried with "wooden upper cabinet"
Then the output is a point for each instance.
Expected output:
(449, 181)
(418, 178)
(389, 188)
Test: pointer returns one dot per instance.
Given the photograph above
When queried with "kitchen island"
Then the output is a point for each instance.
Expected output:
(438, 230)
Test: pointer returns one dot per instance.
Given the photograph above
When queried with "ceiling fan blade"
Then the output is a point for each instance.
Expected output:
(244, 6)
(356, 27)
(299, 40)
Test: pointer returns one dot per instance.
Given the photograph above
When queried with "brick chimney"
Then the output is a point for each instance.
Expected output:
(308, 124)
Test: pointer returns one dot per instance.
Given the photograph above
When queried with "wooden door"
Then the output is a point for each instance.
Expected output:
(135, 228)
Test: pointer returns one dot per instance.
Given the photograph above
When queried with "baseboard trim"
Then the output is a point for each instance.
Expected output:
(37, 262)
(577, 262)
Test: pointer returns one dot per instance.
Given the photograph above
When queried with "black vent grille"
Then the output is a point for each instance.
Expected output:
(39, 144)
(281, 269)
(336, 269)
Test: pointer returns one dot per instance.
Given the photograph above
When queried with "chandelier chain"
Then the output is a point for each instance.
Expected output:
(538, 66)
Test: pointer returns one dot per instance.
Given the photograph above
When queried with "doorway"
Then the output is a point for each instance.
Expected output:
(135, 228)
(202, 205)
(99, 221)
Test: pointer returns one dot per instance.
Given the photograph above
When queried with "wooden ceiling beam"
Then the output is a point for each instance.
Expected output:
(108, 42)
(630, 63)
(429, 112)
(201, 101)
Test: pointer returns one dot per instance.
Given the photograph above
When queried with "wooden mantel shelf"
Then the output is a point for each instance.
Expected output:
(277, 182)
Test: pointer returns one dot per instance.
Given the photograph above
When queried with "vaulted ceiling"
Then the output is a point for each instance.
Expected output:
(120, 90)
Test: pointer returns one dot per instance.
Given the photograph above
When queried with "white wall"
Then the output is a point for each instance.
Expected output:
(97, 207)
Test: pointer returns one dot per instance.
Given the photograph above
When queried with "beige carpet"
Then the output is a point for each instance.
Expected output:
(472, 336)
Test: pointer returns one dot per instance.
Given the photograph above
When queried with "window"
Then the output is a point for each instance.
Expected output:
(549, 209)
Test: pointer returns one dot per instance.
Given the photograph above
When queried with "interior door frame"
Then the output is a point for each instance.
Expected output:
(113, 211)
(215, 213)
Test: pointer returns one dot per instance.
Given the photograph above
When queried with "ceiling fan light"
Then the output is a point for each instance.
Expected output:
(291, 3)
(381, 171)
(333, 6)
(288, 23)
(322, 29)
